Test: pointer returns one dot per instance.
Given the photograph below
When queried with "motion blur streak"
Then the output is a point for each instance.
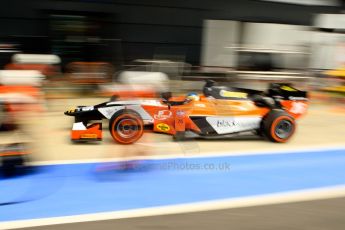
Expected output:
(109, 105)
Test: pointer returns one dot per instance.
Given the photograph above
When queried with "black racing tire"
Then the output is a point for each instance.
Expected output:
(126, 126)
(278, 126)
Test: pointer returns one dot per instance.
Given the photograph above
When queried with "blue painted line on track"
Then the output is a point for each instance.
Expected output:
(72, 189)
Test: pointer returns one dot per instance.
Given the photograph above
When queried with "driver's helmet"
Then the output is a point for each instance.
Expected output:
(193, 96)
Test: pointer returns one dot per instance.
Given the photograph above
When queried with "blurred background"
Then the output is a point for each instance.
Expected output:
(92, 42)
(58, 54)
(87, 44)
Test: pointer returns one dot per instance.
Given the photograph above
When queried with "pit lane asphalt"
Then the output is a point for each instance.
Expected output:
(310, 215)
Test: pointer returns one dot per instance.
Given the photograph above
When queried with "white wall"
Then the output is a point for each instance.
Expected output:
(218, 36)
(276, 36)
(292, 41)
(328, 49)
(220, 39)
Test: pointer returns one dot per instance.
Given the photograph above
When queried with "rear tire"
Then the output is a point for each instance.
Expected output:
(278, 126)
(126, 126)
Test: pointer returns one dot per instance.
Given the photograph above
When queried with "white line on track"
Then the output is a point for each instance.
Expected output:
(199, 155)
(276, 198)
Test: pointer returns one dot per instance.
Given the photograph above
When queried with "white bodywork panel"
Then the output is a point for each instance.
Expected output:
(108, 112)
(137, 102)
(78, 126)
(225, 125)
(144, 115)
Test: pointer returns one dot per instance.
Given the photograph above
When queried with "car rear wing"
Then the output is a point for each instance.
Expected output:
(292, 100)
(286, 91)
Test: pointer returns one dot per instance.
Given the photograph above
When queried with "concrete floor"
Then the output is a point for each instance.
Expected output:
(310, 215)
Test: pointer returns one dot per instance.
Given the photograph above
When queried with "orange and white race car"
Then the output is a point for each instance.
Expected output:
(219, 111)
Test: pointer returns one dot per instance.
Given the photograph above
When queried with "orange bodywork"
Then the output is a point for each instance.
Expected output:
(295, 108)
(178, 118)
(92, 132)
(202, 115)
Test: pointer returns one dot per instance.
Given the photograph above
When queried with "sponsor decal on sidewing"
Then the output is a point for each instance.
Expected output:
(88, 136)
(224, 125)
(162, 115)
(163, 127)
(180, 113)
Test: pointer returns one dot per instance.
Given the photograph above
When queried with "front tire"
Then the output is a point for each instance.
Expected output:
(279, 126)
(126, 127)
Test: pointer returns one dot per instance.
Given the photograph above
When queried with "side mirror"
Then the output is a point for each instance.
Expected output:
(209, 83)
(166, 96)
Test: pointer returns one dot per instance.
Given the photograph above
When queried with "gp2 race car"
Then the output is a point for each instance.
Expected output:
(219, 111)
